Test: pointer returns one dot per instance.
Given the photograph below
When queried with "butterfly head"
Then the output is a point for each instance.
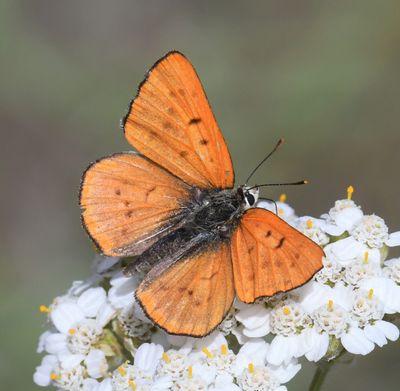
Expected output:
(249, 196)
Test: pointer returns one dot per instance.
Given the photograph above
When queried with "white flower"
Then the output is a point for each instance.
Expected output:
(371, 230)
(366, 307)
(174, 364)
(345, 215)
(331, 272)
(258, 378)
(253, 373)
(392, 269)
(288, 318)
(358, 271)
(331, 318)
(253, 352)
(141, 375)
(222, 359)
(313, 228)
(386, 290)
(92, 330)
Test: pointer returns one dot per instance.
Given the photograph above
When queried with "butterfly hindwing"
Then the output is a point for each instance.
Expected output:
(170, 122)
(192, 296)
(128, 203)
(270, 256)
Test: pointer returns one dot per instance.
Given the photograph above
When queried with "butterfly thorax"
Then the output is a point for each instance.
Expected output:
(211, 217)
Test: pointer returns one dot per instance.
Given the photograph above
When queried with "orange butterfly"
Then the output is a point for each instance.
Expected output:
(174, 206)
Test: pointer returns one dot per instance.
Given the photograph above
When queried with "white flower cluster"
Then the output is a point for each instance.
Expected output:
(100, 340)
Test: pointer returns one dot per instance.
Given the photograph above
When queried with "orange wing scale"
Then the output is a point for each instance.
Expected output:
(193, 296)
(171, 122)
(270, 256)
(128, 201)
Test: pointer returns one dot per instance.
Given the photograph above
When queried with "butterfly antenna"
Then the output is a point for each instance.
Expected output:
(265, 159)
(303, 182)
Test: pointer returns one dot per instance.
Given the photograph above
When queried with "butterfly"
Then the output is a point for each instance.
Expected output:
(173, 205)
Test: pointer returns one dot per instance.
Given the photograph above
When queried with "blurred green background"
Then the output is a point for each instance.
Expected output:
(322, 74)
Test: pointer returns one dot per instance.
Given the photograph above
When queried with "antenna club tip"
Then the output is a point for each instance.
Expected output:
(281, 140)
(306, 181)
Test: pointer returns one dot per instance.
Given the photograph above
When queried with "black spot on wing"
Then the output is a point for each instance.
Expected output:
(280, 243)
(194, 121)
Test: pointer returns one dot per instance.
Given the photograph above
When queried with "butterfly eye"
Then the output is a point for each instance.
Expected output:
(250, 199)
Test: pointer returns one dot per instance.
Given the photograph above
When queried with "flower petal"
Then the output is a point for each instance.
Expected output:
(390, 330)
(66, 315)
(56, 343)
(356, 342)
(375, 335)
(147, 357)
(319, 345)
(105, 313)
(91, 300)
(394, 239)
(253, 316)
(96, 363)
(285, 373)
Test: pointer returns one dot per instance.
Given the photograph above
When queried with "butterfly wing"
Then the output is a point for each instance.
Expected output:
(128, 203)
(192, 296)
(270, 256)
(170, 121)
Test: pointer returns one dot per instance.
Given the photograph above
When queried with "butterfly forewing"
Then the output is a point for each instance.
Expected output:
(192, 296)
(129, 202)
(270, 256)
(171, 122)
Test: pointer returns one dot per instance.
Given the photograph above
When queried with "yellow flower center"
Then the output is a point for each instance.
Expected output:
(350, 191)
(224, 349)
(166, 358)
(250, 367)
(44, 309)
(54, 376)
(207, 353)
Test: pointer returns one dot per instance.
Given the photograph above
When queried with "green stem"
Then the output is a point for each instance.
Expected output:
(319, 375)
